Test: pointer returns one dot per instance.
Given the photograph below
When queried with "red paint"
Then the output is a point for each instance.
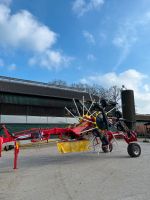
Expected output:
(64, 134)
(16, 152)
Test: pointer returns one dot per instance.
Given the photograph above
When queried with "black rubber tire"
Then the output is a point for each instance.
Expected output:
(134, 150)
(11, 147)
(8, 147)
(109, 149)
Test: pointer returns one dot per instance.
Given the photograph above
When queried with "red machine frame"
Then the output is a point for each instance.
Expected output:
(78, 132)
(86, 126)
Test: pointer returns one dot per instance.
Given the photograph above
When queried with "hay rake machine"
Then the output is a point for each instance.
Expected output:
(92, 131)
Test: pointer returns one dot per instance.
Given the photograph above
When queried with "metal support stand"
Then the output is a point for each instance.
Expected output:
(1, 142)
(16, 152)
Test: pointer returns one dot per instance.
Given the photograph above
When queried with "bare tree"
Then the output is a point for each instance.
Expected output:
(114, 94)
(91, 89)
(110, 94)
(79, 86)
(59, 83)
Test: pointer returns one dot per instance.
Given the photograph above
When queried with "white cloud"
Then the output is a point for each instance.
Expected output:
(125, 38)
(129, 33)
(80, 7)
(50, 60)
(1, 62)
(6, 2)
(132, 79)
(91, 57)
(23, 31)
(144, 19)
(146, 87)
(89, 37)
(12, 67)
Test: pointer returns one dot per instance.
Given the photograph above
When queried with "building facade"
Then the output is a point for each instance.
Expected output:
(143, 125)
(25, 104)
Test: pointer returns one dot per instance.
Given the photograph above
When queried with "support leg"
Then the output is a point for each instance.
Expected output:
(16, 152)
(1, 142)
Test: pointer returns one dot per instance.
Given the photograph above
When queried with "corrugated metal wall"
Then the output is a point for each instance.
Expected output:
(17, 104)
(33, 100)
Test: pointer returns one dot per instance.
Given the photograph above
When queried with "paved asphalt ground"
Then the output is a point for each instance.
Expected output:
(44, 174)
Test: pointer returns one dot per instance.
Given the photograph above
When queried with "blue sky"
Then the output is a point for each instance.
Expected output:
(91, 41)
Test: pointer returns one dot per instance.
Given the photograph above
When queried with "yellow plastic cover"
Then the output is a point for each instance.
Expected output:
(73, 146)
